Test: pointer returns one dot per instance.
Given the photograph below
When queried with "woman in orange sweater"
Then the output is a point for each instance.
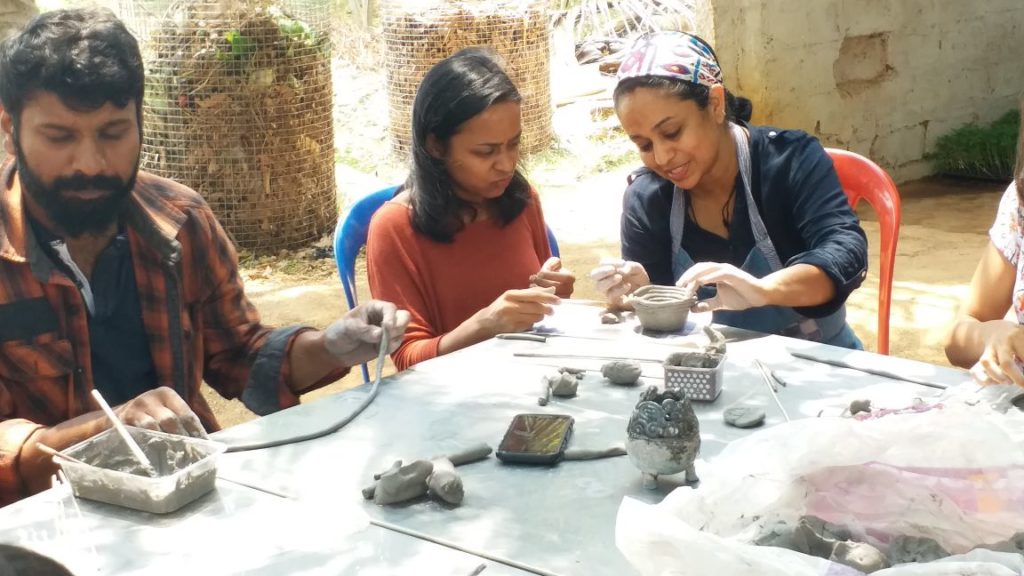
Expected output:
(463, 246)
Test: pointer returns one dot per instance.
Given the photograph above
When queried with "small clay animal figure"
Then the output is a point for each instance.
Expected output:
(663, 436)
(905, 549)
(400, 483)
(621, 372)
(444, 482)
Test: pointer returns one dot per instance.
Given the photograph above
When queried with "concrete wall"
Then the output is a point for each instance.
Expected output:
(14, 14)
(883, 78)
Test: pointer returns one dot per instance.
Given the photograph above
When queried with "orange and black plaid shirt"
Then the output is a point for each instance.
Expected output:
(199, 323)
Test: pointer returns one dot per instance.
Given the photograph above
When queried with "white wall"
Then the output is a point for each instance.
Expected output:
(884, 78)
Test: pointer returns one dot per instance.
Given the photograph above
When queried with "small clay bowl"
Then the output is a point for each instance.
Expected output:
(662, 308)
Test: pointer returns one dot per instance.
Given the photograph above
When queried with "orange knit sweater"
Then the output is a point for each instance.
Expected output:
(442, 285)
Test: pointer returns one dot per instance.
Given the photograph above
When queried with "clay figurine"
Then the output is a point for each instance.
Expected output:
(663, 436)
(622, 372)
(436, 477)
(716, 341)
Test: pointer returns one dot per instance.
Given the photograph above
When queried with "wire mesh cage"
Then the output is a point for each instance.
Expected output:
(420, 33)
(238, 107)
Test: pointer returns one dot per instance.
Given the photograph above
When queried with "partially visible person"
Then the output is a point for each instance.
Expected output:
(987, 334)
(18, 561)
(116, 280)
(752, 216)
(463, 245)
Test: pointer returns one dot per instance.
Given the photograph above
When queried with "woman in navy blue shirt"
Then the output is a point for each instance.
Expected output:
(752, 216)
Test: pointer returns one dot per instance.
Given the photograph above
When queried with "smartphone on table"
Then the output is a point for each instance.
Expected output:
(536, 438)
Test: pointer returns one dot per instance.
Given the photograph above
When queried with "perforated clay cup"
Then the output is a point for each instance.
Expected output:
(697, 374)
(186, 469)
(662, 308)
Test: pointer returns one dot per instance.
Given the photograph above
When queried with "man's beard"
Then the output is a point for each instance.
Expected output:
(76, 216)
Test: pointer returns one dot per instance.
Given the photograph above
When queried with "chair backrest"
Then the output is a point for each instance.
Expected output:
(350, 236)
(862, 179)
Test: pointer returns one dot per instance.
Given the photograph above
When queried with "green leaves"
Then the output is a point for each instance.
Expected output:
(240, 45)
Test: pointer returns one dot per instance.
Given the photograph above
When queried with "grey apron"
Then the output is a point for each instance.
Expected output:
(762, 261)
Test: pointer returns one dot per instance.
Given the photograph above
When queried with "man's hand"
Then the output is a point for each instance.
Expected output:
(618, 278)
(355, 338)
(552, 274)
(736, 289)
(163, 410)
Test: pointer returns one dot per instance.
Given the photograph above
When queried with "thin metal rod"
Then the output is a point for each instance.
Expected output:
(769, 383)
(872, 371)
(584, 356)
(460, 548)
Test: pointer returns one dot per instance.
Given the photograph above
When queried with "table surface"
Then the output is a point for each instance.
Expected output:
(310, 517)
(548, 519)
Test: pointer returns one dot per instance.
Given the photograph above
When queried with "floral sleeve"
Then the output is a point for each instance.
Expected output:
(1006, 231)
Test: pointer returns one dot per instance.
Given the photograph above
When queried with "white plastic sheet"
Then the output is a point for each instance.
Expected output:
(953, 473)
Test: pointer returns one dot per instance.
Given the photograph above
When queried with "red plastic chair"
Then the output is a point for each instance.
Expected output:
(863, 179)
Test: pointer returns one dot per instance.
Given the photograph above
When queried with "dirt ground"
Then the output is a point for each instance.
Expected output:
(942, 234)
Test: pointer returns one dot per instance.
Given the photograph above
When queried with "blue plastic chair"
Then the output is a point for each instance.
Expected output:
(350, 236)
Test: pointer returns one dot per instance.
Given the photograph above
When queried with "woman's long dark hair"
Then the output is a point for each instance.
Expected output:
(454, 91)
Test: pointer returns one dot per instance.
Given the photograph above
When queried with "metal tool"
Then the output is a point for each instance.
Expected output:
(872, 371)
(771, 384)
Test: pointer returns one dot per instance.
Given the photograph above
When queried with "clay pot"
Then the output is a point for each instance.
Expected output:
(663, 436)
(662, 308)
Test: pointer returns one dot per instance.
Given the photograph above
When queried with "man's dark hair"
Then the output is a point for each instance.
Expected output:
(87, 57)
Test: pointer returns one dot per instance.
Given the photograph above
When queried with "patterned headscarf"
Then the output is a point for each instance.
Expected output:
(672, 55)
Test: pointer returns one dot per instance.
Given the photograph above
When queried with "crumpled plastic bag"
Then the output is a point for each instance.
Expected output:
(952, 472)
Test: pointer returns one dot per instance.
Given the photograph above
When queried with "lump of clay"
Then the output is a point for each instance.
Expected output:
(815, 537)
(622, 372)
(400, 483)
(444, 482)
(716, 341)
(1015, 544)
(564, 385)
(744, 416)
(610, 318)
(859, 556)
(858, 406)
(905, 549)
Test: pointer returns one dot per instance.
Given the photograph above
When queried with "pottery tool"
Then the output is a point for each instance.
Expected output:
(583, 356)
(62, 455)
(872, 371)
(374, 389)
(770, 383)
(125, 435)
(476, 571)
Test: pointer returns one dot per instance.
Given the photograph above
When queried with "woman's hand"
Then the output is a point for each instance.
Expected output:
(516, 310)
(1000, 361)
(736, 289)
(552, 275)
(618, 278)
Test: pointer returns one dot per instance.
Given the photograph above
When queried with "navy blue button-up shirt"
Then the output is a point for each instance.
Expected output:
(798, 195)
